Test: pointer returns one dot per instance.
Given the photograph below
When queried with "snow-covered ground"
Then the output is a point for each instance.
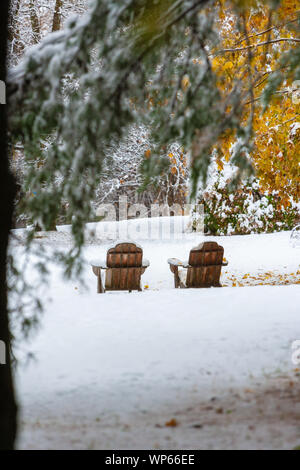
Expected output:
(111, 370)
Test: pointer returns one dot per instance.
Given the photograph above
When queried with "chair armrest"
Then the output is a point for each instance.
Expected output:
(103, 265)
(99, 264)
(178, 263)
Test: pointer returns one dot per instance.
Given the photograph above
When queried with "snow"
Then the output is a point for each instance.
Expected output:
(294, 128)
(111, 369)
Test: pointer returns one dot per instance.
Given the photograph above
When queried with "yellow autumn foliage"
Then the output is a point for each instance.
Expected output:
(276, 152)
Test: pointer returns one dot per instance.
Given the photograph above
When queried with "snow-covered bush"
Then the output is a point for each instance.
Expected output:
(244, 210)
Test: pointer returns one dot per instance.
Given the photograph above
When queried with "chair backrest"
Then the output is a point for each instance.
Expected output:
(124, 255)
(205, 263)
(206, 254)
(124, 263)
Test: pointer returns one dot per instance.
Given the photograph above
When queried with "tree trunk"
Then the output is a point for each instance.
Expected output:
(56, 26)
(35, 24)
(8, 409)
(14, 30)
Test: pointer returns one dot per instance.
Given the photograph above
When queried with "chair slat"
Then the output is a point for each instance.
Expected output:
(205, 263)
(124, 267)
(124, 255)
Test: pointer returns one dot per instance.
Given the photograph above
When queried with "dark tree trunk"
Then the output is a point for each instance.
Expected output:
(8, 409)
(14, 30)
(56, 25)
(35, 24)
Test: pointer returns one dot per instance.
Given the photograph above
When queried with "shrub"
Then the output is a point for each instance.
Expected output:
(244, 210)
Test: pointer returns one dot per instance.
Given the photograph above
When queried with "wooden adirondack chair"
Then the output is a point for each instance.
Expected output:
(203, 268)
(124, 267)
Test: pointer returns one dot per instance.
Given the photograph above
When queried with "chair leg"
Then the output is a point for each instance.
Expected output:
(100, 289)
(176, 278)
(217, 284)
